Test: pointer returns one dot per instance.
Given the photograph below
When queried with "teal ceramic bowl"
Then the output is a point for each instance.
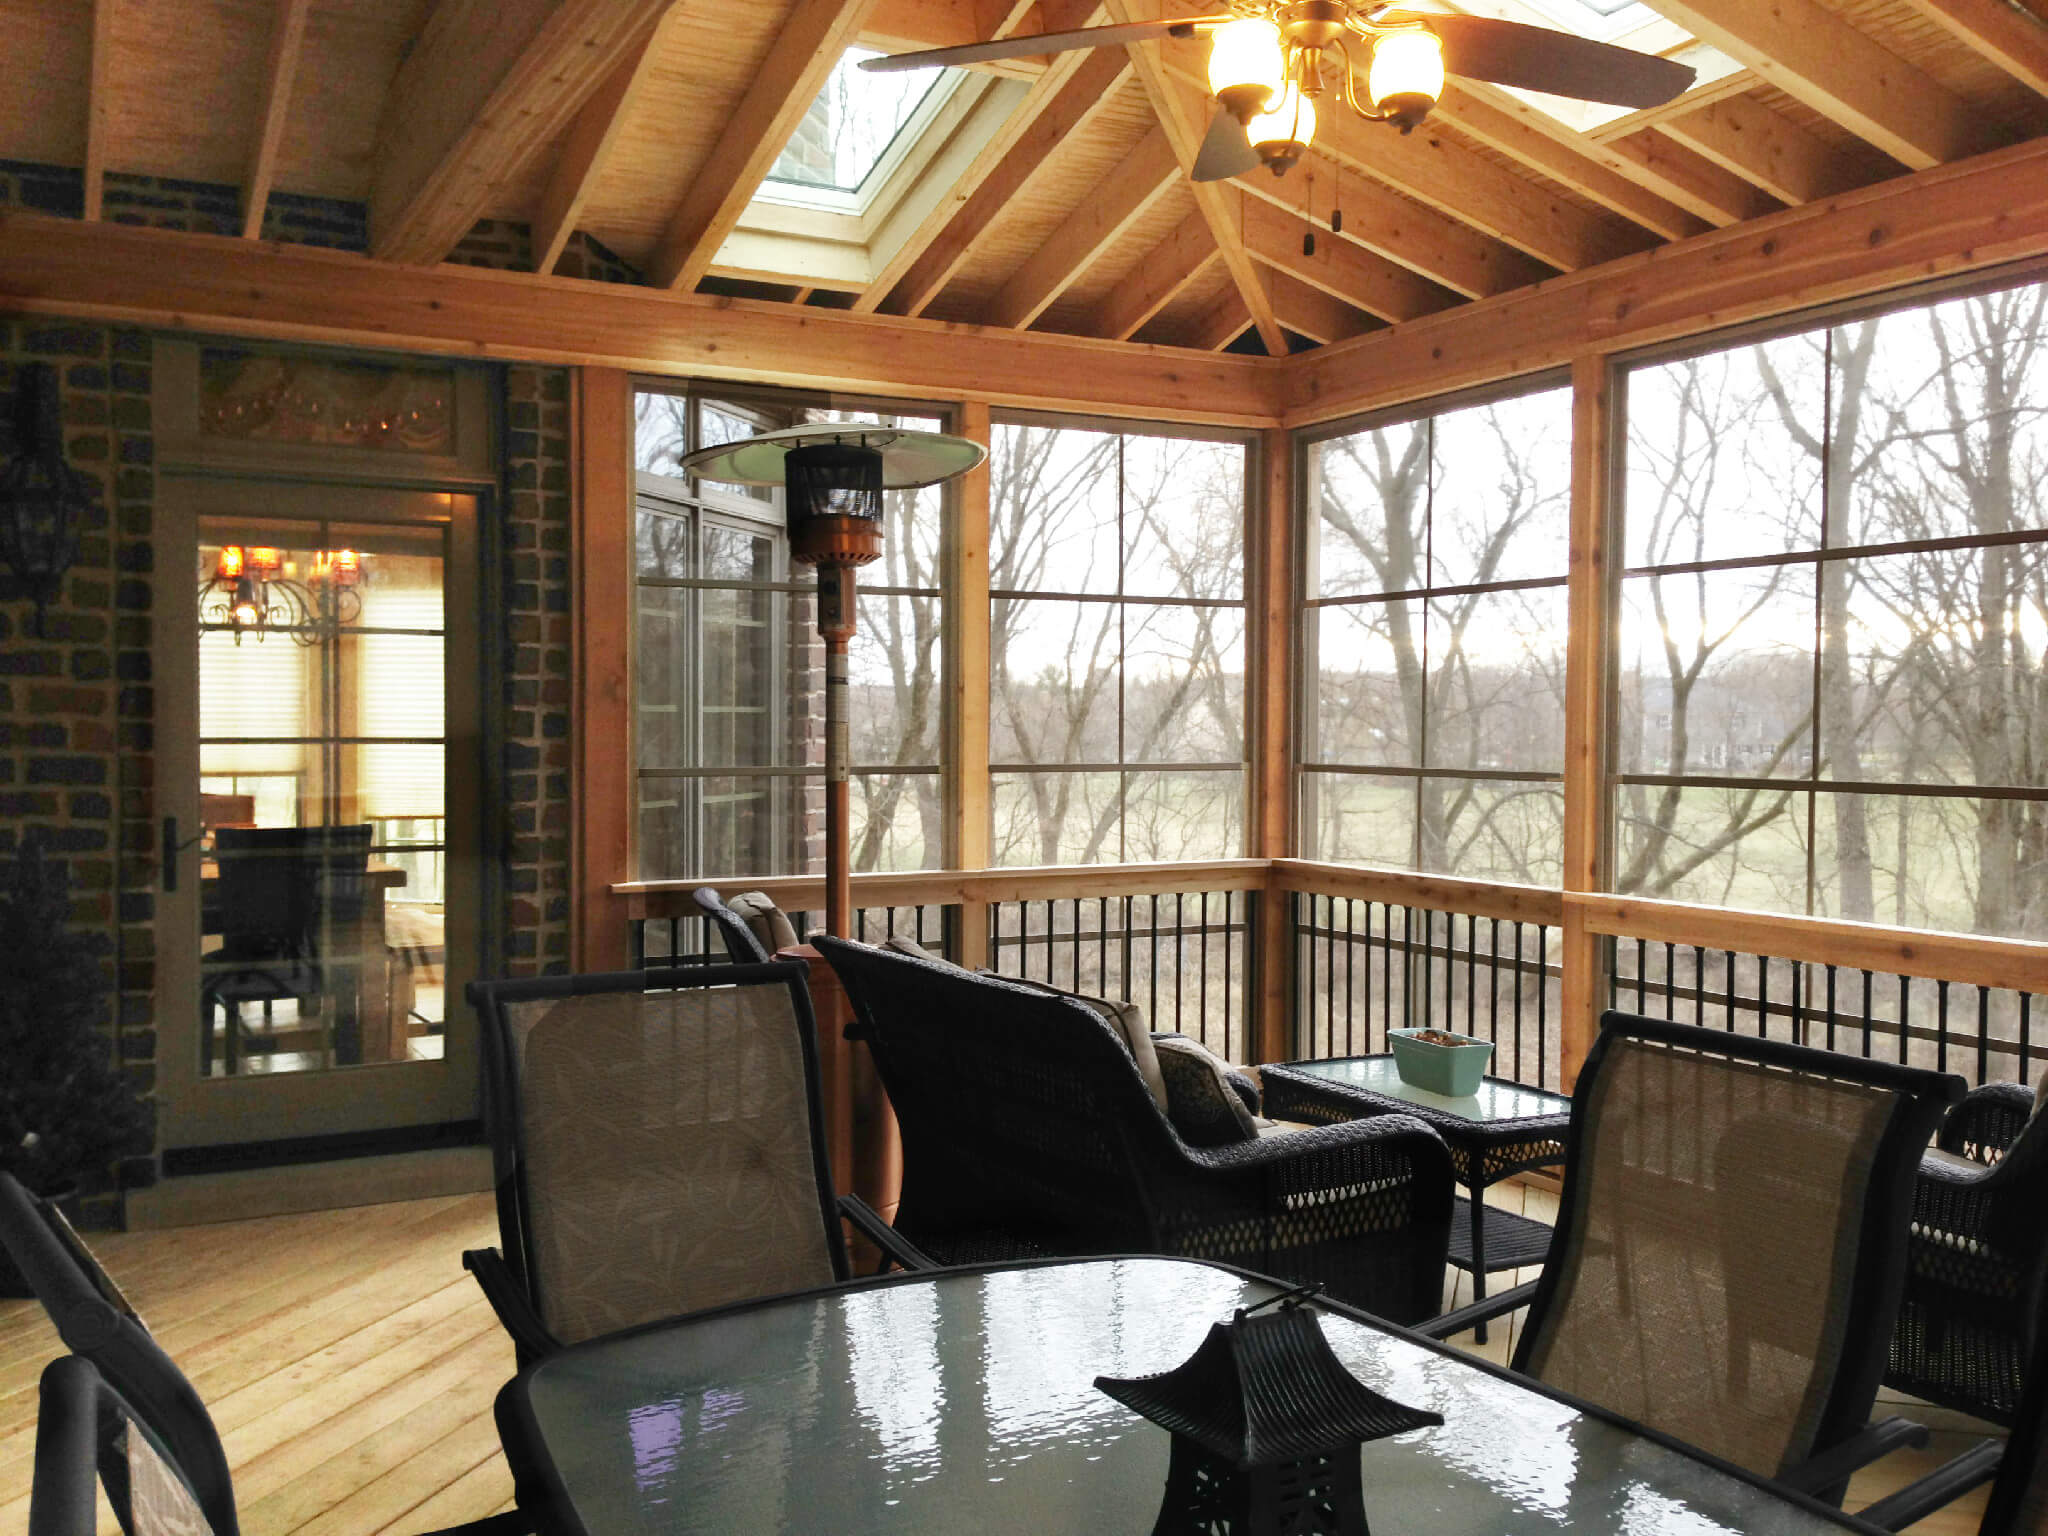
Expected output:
(1451, 1070)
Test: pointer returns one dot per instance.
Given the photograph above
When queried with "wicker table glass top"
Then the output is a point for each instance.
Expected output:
(1495, 1101)
(965, 1401)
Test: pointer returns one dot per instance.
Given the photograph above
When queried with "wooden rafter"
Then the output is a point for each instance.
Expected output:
(1185, 122)
(1417, 237)
(1110, 208)
(1063, 102)
(287, 34)
(99, 105)
(2014, 39)
(486, 81)
(1160, 277)
(807, 46)
(1689, 179)
(1812, 54)
(1339, 268)
(1766, 149)
(585, 147)
(1312, 312)
(1224, 318)
(1534, 139)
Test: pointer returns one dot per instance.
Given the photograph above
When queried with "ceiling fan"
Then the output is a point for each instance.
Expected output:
(1270, 61)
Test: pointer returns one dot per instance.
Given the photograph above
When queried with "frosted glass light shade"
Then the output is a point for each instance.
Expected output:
(1283, 131)
(1407, 74)
(1246, 65)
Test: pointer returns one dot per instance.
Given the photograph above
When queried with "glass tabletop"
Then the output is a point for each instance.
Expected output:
(966, 1402)
(1495, 1100)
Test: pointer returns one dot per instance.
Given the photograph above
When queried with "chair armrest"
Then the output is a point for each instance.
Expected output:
(1830, 1469)
(1939, 1488)
(1450, 1324)
(868, 1222)
(1319, 1141)
(530, 1336)
(511, 1522)
(1990, 1118)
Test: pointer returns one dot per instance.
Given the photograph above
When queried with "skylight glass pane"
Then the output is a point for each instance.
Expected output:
(851, 125)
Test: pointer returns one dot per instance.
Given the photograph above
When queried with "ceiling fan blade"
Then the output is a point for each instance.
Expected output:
(1042, 42)
(1539, 59)
(1225, 151)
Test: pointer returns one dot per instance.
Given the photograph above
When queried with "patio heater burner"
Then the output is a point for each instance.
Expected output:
(835, 475)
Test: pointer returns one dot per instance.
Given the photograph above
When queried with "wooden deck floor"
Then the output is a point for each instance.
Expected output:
(350, 1364)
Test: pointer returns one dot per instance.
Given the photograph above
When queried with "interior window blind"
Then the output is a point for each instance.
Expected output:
(402, 695)
(258, 688)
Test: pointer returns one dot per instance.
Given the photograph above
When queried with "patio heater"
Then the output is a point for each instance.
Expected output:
(835, 474)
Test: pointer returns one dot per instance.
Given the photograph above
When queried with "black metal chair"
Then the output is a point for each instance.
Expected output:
(1730, 1245)
(740, 943)
(117, 1407)
(284, 897)
(1027, 1131)
(658, 1148)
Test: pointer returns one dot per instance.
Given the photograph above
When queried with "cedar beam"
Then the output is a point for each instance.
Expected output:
(1270, 579)
(1341, 269)
(602, 544)
(1111, 207)
(99, 107)
(2014, 39)
(584, 149)
(1812, 54)
(1224, 318)
(1310, 311)
(249, 288)
(1159, 278)
(484, 83)
(1690, 180)
(963, 556)
(287, 35)
(1748, 139)
(806, 48)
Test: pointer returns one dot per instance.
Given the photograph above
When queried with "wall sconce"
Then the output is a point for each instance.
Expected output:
(43, 500)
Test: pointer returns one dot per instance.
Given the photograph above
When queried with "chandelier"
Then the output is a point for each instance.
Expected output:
(254, 591)
(1268, 68)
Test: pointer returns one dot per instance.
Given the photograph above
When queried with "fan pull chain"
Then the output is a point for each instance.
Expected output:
(1308, 239)
(1337, 205)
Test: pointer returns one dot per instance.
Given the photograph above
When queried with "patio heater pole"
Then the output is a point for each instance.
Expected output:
(836, 625)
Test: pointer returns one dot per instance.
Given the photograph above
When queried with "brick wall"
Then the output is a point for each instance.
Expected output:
(76, 704)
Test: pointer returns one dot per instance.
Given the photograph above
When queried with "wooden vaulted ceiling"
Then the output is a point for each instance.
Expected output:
(648, 125)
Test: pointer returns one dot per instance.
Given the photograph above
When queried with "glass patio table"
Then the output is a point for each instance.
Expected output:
(1503, 1129)
(964, 1400)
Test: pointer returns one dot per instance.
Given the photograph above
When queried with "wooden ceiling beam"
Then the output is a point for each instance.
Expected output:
(1223, 319)
(1418, 238)
(585, 148)
(1981, 213)
(1747, 139)
(1339, 268)
(221, 285)
(1815, 56)
(1158, 279)
(2014, 39)
(906, 26)
(1534, 139)
(1182, 115)
(1106, 212)
(99, 106)
(1061, 104)
(287, 35)
(1696, 184)
(806, 47)
(1311, 312)
(485, 83)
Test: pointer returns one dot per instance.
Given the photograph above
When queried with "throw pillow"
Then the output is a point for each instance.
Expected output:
(1125, 1020)
(907, 946)
(1201, 1102)
(758, 910)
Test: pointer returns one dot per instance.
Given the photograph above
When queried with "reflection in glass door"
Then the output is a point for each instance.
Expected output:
(322, 734)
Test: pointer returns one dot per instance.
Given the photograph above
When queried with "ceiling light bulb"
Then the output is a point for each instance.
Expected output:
(1281, 133)
(1246, 66)
(1407, 75)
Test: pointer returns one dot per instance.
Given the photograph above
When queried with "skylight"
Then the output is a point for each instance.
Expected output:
(853, 124)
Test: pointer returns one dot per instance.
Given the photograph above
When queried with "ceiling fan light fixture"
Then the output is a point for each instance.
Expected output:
(1247, 66)
(1406, 75)
(1281, 134)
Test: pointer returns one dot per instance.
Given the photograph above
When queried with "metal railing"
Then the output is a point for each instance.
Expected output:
(689, 939)
(1365, 966)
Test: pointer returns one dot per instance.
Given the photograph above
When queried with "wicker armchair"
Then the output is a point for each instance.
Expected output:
(1027, 1131)
(1976, 1257)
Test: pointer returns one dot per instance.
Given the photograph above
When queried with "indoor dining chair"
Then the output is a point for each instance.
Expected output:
(1730, 1244)
(658, 1147)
